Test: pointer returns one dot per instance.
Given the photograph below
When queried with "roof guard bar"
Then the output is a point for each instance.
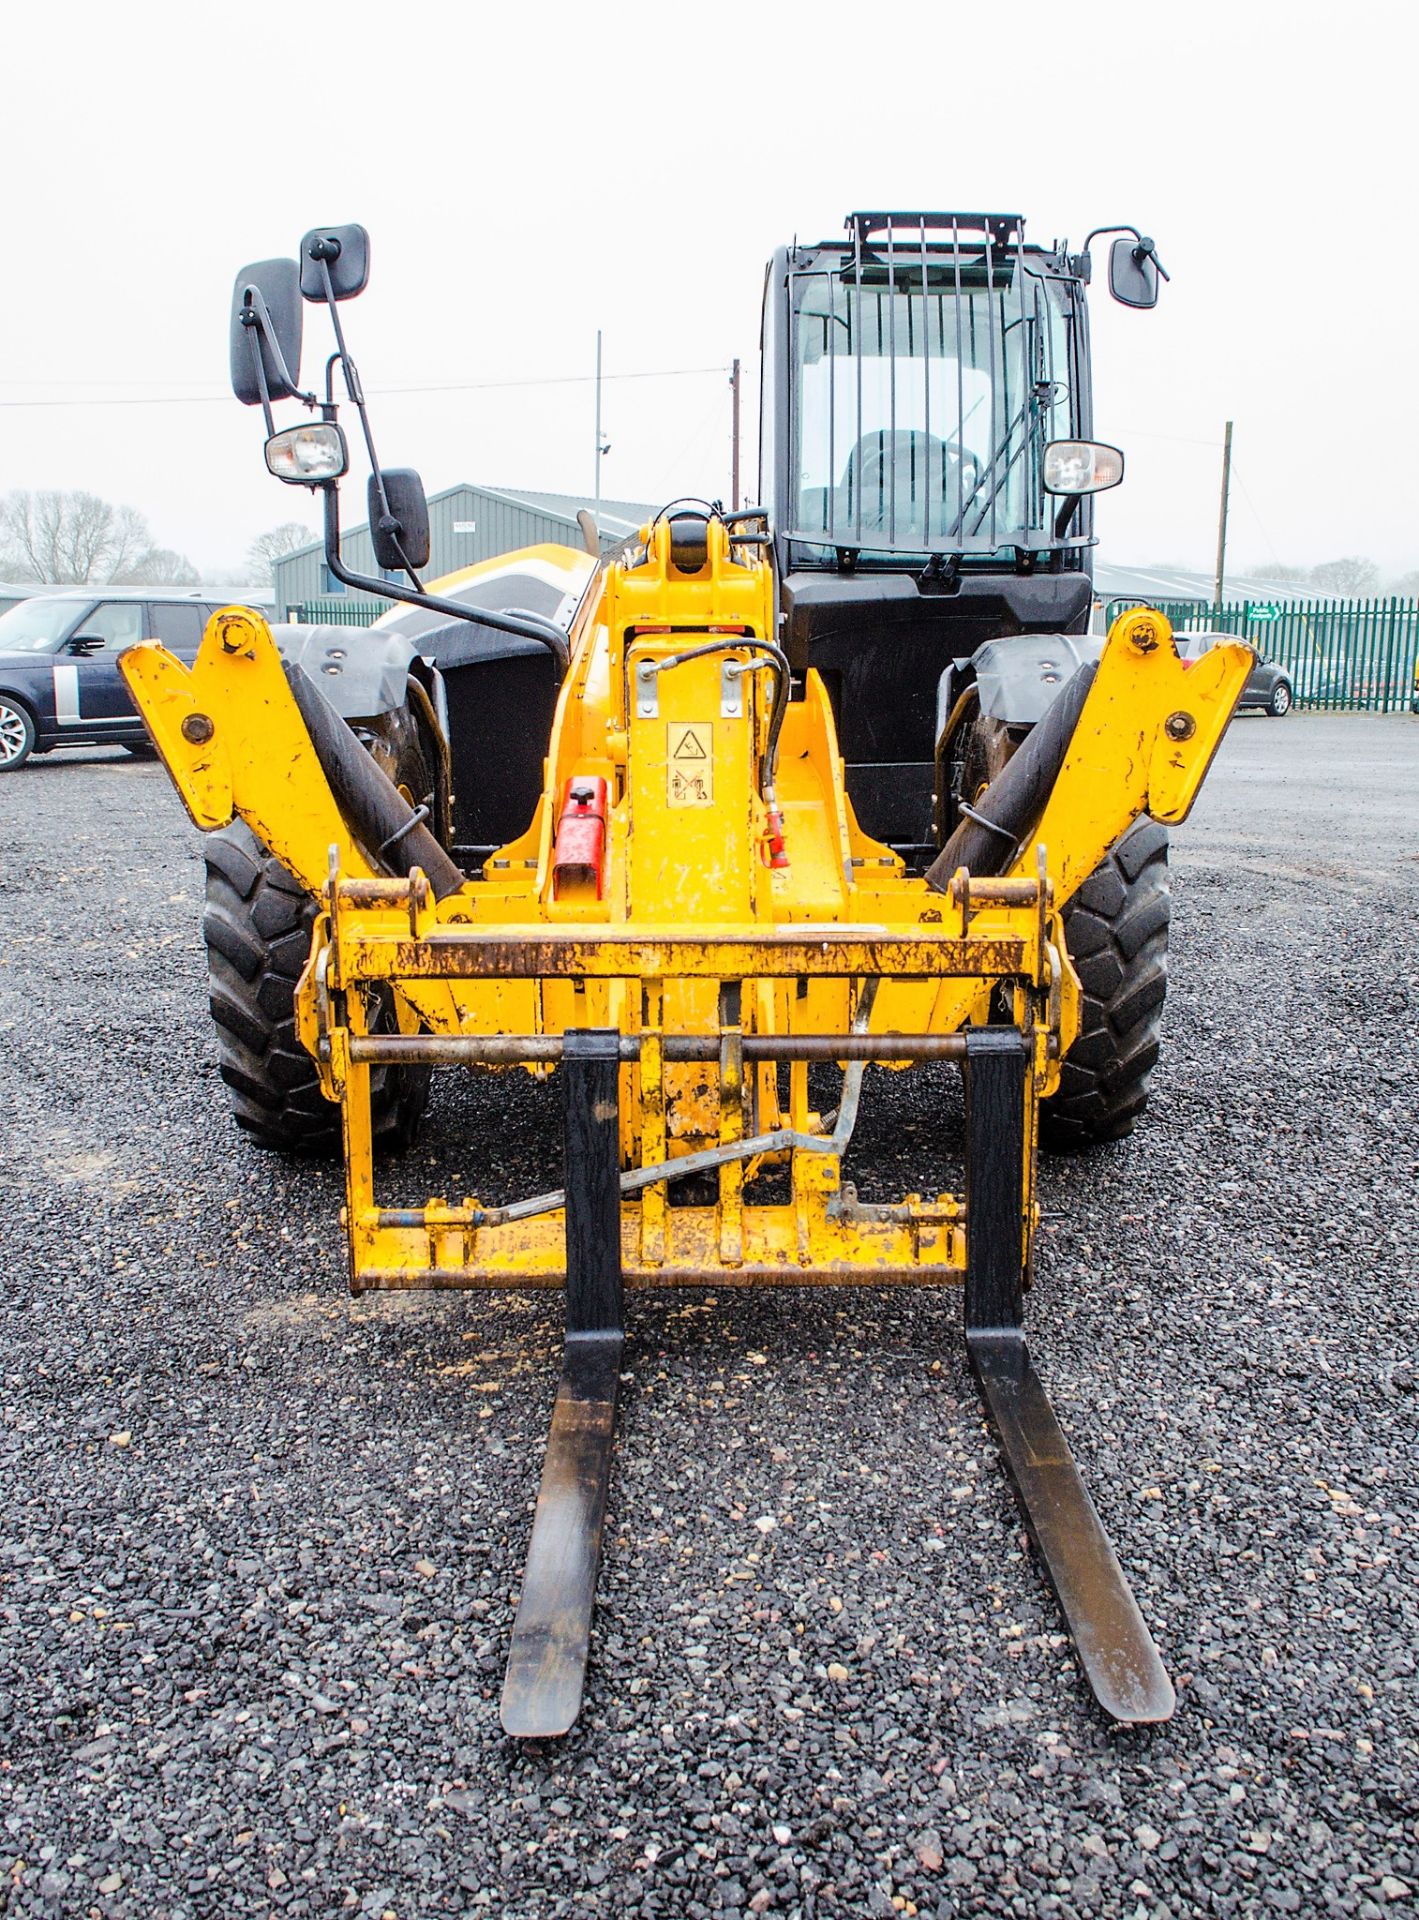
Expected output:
(1002, 229)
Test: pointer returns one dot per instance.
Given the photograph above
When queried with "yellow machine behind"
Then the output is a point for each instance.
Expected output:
(712, 923)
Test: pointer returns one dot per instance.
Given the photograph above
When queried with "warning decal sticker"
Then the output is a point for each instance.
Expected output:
(689, 754)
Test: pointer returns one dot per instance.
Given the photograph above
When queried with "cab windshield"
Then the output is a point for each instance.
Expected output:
(922, 409)
(36, 626)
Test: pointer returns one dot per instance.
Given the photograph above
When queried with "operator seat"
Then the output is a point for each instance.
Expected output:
(903, 462)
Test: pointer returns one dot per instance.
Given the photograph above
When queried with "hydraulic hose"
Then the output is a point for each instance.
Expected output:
(774, 657)
(391, 832)
(986, 840)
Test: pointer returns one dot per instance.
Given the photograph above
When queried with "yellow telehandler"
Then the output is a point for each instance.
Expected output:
(826, 782)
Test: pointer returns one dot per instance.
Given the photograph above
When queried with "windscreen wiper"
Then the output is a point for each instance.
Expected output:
(993, 470)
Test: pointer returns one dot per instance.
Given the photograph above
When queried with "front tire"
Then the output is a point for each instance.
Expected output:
(257, 927)
(1116, 928)
(17, 734)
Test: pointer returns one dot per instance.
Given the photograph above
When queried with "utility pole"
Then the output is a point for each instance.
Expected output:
(1222, 520)
(734, 462)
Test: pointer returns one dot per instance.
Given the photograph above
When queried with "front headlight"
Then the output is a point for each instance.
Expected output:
(306, 456)
(1081, 466)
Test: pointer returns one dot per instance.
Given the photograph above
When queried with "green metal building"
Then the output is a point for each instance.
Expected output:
(466, 524)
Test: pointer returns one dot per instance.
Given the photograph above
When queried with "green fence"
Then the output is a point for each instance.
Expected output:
(339, 613)
(1342, 656)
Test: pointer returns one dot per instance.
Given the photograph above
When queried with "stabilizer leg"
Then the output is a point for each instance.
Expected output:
(1114, 1645)
(551, 1635)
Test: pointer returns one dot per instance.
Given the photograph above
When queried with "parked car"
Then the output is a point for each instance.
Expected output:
(1269, 687)
(59, 679)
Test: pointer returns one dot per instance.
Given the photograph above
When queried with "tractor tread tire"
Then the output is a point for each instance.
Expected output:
(1116, 927)
(257, 927)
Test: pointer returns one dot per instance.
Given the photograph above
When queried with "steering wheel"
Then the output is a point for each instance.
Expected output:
(914, 457)
(969, 475)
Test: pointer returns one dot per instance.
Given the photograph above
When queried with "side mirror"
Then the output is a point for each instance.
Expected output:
(85, 643)
(1133, 272)
(341, 252)
(401, 536)
(266, 329)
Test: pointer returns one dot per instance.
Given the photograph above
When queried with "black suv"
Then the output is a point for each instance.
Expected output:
(59, 679)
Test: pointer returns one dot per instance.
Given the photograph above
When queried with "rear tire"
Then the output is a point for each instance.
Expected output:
(1116, 927)
(257, 927)
(1280, 702)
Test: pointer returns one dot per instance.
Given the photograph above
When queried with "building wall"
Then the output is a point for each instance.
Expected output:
(498, 526)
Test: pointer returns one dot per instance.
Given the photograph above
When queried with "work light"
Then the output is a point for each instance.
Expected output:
(305, 456)
(1079, 466)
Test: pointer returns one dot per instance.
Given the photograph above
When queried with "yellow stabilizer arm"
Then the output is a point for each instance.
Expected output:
(232, 738)
(1142, 744)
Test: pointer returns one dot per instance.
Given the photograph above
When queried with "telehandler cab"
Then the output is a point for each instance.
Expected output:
(840, 778)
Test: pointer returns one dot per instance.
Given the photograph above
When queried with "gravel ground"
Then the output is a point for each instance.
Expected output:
(261, 1543)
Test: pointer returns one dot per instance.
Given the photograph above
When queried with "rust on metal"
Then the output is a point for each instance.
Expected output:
(840, 1274)
(385, 893)
(966, 889)
(618, 954)
(517, 1049)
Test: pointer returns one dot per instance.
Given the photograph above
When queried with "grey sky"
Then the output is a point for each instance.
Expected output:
(528, 174)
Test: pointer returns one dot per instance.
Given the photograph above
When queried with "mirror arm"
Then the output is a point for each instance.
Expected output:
(255, 313)
(248, 320)
(1067, 510)
(525, 626)
(1089, 238)
(388, 522)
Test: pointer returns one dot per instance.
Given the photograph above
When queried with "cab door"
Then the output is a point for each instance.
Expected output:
(89, 694)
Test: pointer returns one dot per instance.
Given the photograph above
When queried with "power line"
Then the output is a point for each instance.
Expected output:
(1179, 439)
(1256, 513)
(451, 386)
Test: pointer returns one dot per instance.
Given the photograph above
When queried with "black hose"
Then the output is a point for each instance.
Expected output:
(391, 832)
(986, 839)
(782, 676)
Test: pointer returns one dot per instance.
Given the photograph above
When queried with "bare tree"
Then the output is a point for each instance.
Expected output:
(159, 567)
(1352, 575)
(273, 545)
(1406, 586)
(69, 537)
(58, 537)
(1278, 570)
